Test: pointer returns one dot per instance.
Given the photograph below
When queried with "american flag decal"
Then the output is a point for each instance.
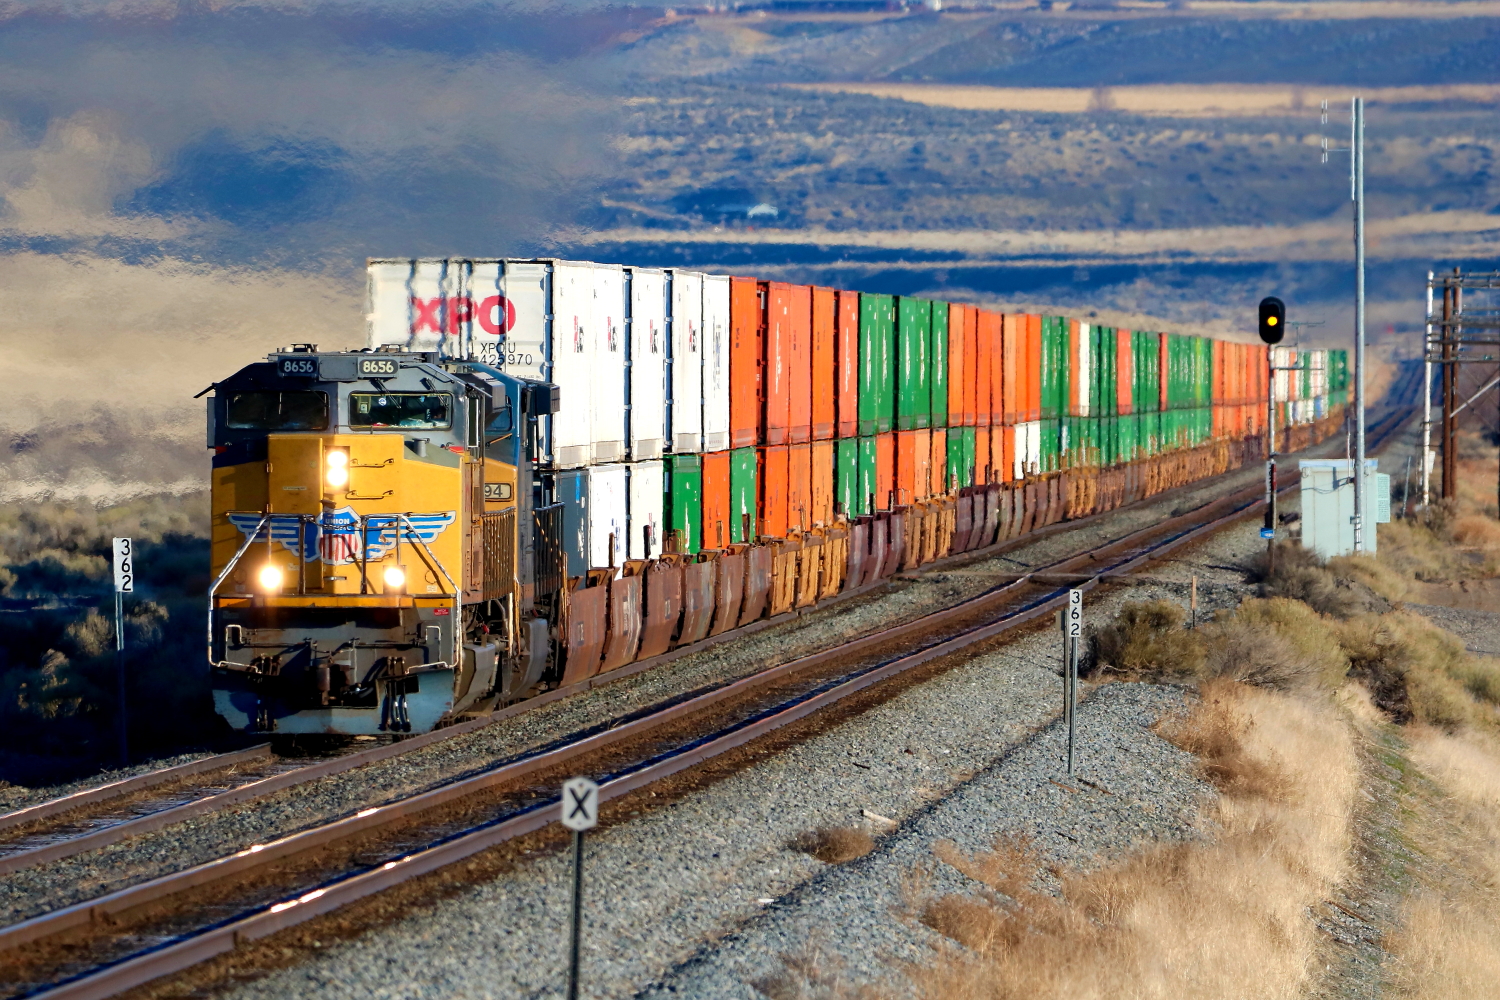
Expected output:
(336, 538)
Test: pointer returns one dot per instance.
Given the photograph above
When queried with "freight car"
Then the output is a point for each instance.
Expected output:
(537, 471)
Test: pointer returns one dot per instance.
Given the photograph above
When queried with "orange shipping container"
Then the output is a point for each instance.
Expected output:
(982, 460)
(960, 392)
(937, 481)
(1124, 372)
(822, 482)
(885, 469)
(1011, 457)
(848, 363)
(799, 487)
(799, 364)
(824, 362)
(773, 491)
(715, 499)
(1012, 355)
(780, 306)
(1031, 373)
(986, 351)
(747, 316)
(913, 465)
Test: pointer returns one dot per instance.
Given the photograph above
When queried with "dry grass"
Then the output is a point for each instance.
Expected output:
(1418, 672)
(1210, 919)
(834, 845)
(1448, 947)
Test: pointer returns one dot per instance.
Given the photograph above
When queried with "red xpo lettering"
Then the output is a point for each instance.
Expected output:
(495, 314)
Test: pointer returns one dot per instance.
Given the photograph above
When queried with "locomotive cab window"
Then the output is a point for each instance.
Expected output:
(299, 410)
(423, 410)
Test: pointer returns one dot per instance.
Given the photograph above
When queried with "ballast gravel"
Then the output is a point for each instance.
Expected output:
(702, 896)
(46, 887)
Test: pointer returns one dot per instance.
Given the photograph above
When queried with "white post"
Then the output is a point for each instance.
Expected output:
(1427, 400)
(1357, 158)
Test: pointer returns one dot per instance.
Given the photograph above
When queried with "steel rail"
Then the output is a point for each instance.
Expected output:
(128, 786)
(270, 785)
(193, 948)
(196, 947)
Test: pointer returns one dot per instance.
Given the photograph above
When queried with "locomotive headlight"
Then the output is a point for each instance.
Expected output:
(336, 465)
(269, 577)
(394, 576)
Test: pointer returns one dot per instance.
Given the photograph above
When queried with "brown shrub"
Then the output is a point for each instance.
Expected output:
(1008, 866)
(1300, 643)
(1147, 640)
(834, 845)
(973, 923)
(1214, 731)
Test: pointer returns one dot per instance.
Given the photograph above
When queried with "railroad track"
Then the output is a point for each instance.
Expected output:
(106, 945)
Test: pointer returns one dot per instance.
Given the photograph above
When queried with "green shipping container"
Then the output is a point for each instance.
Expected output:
(1129, 436)
(961, 455)
(1051, 444)
(877, 363)
(939, 365)
(913, 364)
(866, 476)
(684, 514)
(846, 494)
(1054, 373)
(743, 525)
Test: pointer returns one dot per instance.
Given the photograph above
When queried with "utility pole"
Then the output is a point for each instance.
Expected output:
(1427, 401)
(1357, 165)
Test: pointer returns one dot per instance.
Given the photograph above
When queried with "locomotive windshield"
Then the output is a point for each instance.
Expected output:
(299, 410)
(426, 410)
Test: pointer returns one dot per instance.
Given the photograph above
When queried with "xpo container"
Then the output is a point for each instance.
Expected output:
(685, 362)
(644, 517)
(716, 353)
(557, 321)
(648, 363)
(607, 518)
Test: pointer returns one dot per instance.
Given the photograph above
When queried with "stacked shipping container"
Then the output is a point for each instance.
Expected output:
(702, 411)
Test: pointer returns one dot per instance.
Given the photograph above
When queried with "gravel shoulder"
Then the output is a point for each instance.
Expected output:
(36, 890)
(702, 895)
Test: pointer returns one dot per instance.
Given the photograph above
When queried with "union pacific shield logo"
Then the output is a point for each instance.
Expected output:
(338, 539)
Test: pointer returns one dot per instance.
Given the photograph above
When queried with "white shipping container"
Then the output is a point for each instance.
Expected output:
(607, 515)
(573, 326)
(648, 362)
(715, 362)
(1028, 449)
(493, 311)
(685, 410)
(606, 403)
(647, 492)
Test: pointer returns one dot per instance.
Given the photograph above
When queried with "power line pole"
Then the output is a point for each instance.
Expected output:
(1427, 401)
(1357, 164)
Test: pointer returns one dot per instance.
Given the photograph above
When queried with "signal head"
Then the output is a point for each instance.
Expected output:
(1272, 319)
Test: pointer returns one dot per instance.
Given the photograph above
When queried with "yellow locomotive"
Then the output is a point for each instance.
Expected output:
(377, 534)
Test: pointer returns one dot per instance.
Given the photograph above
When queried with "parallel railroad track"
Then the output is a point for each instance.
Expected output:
(104, 946)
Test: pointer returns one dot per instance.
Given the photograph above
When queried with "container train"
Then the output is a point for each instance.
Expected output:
(538, 471)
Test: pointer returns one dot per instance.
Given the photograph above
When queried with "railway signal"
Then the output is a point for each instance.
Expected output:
(124, 568)
(580, 812)
(1272, 319)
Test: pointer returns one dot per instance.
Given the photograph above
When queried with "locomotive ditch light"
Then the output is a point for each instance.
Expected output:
(336, 468)
(394, 577)
(269, 577)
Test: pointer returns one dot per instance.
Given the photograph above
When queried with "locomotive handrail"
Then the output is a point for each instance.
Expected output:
(213, 591)
(433, 561)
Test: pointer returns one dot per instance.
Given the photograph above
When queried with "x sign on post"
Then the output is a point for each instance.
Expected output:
(580, 812)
